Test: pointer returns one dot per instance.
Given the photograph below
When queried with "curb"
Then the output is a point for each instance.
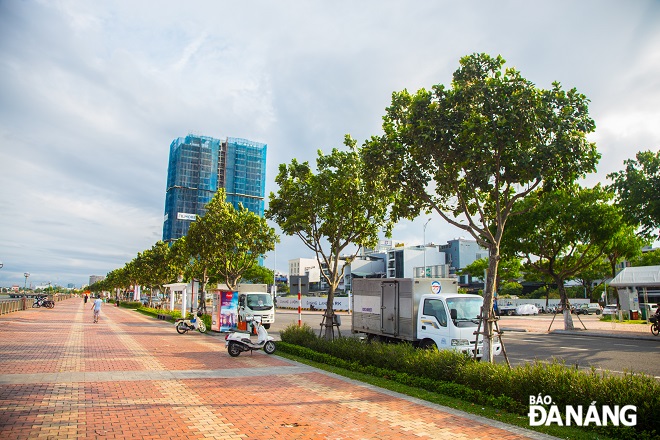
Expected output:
(607, 335)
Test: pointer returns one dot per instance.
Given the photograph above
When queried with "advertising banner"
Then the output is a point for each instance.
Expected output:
(228, 313)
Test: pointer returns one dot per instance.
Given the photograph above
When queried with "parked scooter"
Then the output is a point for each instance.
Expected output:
(194, 323)
(238, 342)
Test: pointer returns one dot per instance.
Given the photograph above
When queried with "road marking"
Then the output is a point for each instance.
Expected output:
(575, 348)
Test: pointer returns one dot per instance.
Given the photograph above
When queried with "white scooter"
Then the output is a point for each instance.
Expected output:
(194, 323)
(238, 342)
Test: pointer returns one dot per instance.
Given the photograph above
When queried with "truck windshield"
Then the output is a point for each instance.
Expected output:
(467, 310)
(259, 301)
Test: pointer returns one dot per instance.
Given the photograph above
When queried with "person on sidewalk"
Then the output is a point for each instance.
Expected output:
(97, 308)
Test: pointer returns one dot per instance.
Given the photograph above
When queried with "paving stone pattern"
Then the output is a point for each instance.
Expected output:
(130, 376)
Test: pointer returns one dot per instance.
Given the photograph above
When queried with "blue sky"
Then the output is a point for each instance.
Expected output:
(92, 94)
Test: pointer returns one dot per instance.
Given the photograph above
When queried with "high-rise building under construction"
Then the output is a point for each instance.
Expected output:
(199, 166)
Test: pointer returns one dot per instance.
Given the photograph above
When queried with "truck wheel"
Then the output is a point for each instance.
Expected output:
(269, 347)
(266, 326)
(233, 349)
(427, 344)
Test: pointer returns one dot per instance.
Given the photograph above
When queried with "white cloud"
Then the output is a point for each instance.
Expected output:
(92, 94)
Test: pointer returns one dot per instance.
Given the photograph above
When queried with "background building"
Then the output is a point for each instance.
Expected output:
(461, 253)
(416, 262)
(95, 279)
(199, 166)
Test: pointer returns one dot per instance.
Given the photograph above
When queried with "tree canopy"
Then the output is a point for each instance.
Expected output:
(226, 242)
(564, 232)
(469, 152)
(638, 190)
(333, 210)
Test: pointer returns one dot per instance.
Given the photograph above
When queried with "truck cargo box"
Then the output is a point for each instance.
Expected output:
(389, 306)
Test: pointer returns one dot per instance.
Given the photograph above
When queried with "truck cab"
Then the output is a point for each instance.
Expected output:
(449, 321)
(251, 304)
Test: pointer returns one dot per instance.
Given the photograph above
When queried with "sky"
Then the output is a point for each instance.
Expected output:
(93, 93)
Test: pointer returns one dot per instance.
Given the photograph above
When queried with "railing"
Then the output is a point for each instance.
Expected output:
(18, 304)
(11, 305)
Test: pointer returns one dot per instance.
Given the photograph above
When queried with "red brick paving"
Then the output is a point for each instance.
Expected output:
(130, 376)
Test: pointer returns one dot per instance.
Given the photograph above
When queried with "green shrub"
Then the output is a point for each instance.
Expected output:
(455, 374)
(130, 304)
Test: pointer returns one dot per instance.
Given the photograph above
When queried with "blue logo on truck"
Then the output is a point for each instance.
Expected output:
(436, 287)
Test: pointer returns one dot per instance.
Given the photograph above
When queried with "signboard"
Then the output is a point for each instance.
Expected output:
(228, 310)
(185, 216)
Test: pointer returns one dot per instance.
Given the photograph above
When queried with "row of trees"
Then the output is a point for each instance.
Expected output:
(492, 155)
(222, 246)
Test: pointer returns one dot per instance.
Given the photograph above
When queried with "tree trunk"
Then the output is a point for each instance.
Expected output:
(487, 323)
(568, 319)
(329, 314)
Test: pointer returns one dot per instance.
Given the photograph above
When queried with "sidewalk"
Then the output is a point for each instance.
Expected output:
(131, 376)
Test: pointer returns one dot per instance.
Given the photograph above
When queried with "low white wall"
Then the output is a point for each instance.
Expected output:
(319, 303)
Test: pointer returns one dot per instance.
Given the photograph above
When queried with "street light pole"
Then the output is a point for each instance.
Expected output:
(26, 275)
(424, 244)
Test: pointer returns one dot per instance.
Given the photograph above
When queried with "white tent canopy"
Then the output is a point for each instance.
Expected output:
(642, 276)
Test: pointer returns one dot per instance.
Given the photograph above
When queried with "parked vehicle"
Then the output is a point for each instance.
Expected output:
(610, 309)
(239, 342)
(588, 309)
(505, 307)
(194, 323)
(426, 312)
(43, 301)
(527, 309)
(256, 304)
(154, 300)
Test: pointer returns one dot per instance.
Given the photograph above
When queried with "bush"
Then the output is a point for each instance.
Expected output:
(130, 304)
(456, 374)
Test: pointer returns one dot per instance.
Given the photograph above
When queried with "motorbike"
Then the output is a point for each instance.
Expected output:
(238, 342)
(43, 301)
(194, 323)
(655, 326)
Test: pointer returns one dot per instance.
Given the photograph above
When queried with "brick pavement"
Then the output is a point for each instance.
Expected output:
(131, 376)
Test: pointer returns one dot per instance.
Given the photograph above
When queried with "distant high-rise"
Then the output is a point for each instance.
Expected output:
(199, 166)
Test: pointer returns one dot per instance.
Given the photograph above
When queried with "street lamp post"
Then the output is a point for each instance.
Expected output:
(424, 244)
(26, 275)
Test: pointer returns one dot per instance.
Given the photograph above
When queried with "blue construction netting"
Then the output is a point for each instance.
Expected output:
(198, 166)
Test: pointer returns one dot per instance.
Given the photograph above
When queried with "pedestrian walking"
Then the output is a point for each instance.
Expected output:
(85, 299)
(97, 308)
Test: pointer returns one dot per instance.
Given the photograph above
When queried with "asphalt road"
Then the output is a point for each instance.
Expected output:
(602, 353)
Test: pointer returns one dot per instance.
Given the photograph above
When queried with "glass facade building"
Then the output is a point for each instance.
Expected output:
(199, 166)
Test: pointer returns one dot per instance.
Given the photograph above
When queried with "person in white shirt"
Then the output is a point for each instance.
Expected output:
(96, 306)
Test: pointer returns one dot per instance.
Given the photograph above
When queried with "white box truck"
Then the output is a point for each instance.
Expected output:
(254, 300)
(424, 311)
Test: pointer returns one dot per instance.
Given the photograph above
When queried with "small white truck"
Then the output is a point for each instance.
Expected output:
(254, 300)
(426, 312)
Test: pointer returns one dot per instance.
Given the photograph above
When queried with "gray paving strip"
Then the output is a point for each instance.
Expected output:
(123, 376)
